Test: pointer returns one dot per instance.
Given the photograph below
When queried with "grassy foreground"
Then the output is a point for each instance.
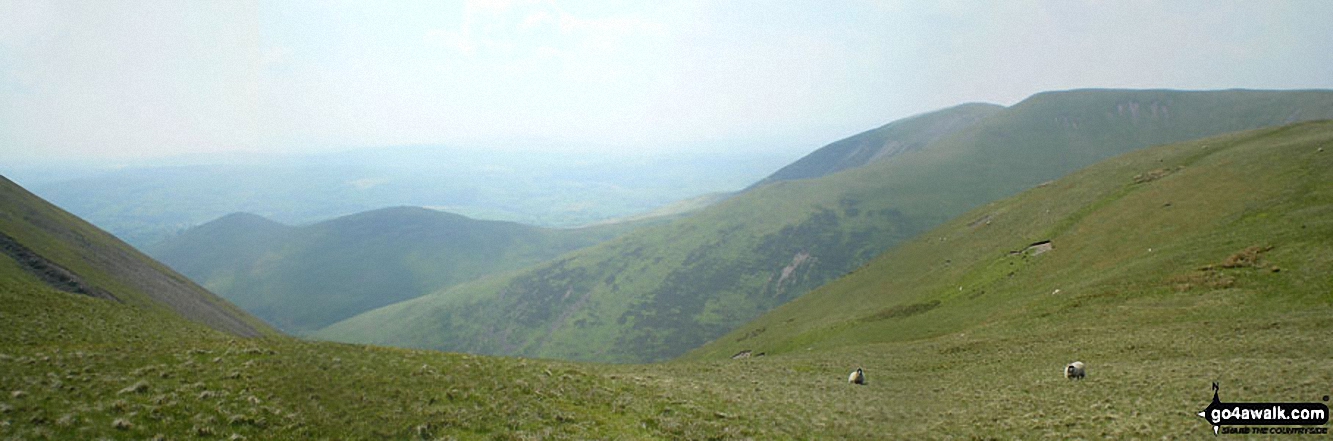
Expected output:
(66, 377)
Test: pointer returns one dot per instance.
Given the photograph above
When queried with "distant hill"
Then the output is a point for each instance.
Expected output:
(304, 278)
(1183, 237)
(659, 292)
(71, 255)
(892, 139)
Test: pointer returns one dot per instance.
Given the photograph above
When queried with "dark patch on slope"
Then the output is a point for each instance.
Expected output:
(49, 272)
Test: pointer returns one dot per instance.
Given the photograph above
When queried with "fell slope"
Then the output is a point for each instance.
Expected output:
(659, 292)
(72, 255)
(304, 278)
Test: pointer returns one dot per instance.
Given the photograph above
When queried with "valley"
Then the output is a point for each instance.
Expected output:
(1238, 222)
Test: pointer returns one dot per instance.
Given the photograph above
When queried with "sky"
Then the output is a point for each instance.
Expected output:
(131, 79)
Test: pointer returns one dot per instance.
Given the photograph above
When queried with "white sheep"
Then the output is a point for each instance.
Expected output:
(1075, 371)
(858, 377)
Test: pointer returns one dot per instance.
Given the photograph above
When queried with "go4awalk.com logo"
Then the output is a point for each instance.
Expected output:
(1274, 418)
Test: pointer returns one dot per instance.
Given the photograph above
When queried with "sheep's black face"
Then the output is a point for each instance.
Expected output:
(1069, 370)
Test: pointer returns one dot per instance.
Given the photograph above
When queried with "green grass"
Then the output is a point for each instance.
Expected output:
(659, 292)
(198, 383)
(975, 365)
(72, 366)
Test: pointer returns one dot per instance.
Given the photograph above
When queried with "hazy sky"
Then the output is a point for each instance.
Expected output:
(135, 79)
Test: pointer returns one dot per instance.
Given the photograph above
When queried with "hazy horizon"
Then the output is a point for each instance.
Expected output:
(129, 81)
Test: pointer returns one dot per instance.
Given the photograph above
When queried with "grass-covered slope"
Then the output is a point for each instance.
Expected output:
(304, 278)
(1170, 269)
(71, 254)
(662, 291)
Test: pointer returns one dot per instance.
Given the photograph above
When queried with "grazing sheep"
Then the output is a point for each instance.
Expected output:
(1075, 370)
(858, 377)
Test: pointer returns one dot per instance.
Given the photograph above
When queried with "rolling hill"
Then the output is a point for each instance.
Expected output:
(304, 278)
(661, 291)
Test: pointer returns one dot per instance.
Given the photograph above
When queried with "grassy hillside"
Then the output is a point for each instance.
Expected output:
(1156, 328)
(304, 278)
(662, 291)
(1170, 268)
(74, 256)
(1177, 236)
